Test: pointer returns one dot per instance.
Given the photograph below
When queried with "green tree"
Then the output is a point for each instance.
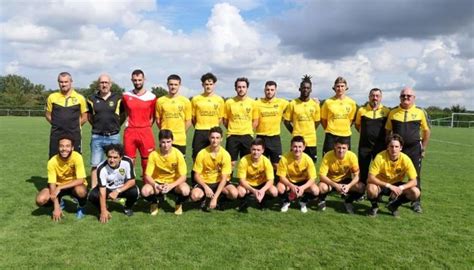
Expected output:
(458, 108)
(159, 91)
(18, 91)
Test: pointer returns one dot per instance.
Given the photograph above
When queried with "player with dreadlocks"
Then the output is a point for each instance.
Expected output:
(302, 117)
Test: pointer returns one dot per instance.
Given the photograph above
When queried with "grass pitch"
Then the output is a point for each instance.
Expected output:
(441, 237)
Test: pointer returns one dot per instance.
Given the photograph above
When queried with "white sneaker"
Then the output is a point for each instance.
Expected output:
(285, 207)
(303, 208)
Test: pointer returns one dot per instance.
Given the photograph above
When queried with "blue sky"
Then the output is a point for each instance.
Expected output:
(426, 44)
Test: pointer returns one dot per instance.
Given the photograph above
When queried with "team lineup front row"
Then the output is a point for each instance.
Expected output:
(391, 173)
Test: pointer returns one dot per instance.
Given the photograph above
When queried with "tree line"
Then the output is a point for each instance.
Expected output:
(19, 92)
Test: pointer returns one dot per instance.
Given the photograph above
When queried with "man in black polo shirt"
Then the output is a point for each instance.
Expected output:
(105, 111)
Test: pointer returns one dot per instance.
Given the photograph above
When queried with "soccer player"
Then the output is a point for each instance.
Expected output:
(105, 116)
(166, 172)
(297, 175)
(173, 112)
(116, 180)
(409, 121)
(240, 119)
(255, 173)
(270, 111)
(339, 171)
(370, 122)
(207, 112)
(337, 115)
(302, 117)
(213, 170)
(140, 107)
(66, 111)
(386, 175)
(66, 176)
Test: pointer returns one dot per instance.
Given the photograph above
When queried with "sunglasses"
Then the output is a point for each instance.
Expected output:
(406, 96)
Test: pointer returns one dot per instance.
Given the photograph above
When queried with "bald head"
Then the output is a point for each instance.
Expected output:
(407, 97)
(105, 83)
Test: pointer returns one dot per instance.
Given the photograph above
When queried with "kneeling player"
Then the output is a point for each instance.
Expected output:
(213, 169)
(116, 179)
(66, 176)
(386, 174)
(165, 172)
(339, 172)
(297, 175)
(255, 174)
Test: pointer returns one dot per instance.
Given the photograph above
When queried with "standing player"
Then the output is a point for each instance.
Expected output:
(339, 171)
(386, 175)
(409, 121)
(337, 115)
(240, 119)
(255, 173)
(297, 175)
(116, 180)
(140, 107)
(213, 170)
(66, 111)
(166, 172)
(173, 112)
(270, 111)
(66, 176)
(370, 122)
(207, 112)
(105, 116)
(302, 117)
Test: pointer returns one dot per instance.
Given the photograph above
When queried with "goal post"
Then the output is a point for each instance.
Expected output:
(462, 120)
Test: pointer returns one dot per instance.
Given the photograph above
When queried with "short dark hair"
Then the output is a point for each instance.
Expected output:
(208, 76)
(340, 80)
(242, 79)
(117, 147)
(394, 137)
(138, 72)
(269, 83)
(258, 141)
(342, 140)
(66, 136)
(173, 77)
(215, 129)
(298, 138)
(374, 90)
(165, 134)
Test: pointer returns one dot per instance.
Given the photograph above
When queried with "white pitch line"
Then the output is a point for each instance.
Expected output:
(454, 143)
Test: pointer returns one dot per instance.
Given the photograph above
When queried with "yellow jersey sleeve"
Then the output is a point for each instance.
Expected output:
(410, 168)
(79, 164)
(150, 166)
(52, 176)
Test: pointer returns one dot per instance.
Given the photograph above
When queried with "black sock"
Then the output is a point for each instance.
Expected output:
(322, 197)
(353, 196)
(82, 201)
(399, 201)
(307, 197)
(284, 197)
(374, 203)
(180, 199)
(151, 198)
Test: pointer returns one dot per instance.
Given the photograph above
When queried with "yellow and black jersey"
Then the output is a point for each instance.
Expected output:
(372, 125)
(207, 111)
(240, 115)
(339, 115)
(105, 113)
(255, 173)
(408, 123)
(61, 172)
(296, 170)
(339, 169)
(211, 167)
(392, 171)
(166, 169)
(173, 114)
(270, 113)
(66, 111)
(303, 115)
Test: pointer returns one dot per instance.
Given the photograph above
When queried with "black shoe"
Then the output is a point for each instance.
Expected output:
(262, 206)
(393, 209)
(416, 206)
(128, 212)
(204, 206)
(372, 212)
(243, 207)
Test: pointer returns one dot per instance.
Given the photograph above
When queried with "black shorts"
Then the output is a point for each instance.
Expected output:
(200, 141)
(213, 186)
(272, 147)
(238, 145)
(312, 152)
(386, 191)
(181, 148)
(344, 181)
(365, 156)
(329, 140)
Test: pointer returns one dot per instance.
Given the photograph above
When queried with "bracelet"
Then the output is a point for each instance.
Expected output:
(387, 185)
(118, 190)
(402, 187)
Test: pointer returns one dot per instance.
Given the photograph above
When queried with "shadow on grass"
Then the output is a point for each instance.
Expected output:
(38, 181)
